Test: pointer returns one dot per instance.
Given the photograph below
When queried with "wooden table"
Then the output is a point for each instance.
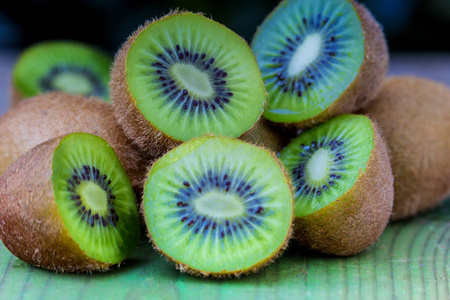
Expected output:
(410, 261)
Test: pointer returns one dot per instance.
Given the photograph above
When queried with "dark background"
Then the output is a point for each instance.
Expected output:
(410, 25)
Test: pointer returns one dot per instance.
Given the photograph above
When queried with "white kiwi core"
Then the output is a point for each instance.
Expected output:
(319, 164)
(194, 80)
(94, 196)
(305, 54)
(72, 83)
(218, 205)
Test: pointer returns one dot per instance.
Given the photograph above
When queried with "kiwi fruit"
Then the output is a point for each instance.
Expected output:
(413, 114)
(184, 76)
(343, 185)
(217, 206)
(65, 66)
(319, 59)
(67, 205)
(46, 116)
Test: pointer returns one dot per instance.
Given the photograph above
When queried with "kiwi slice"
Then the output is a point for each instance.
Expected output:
(218, 206)
(319, 59)
(64, 66)
(68, 205)
(185, 76)
(343, 185)
(46, 116)
(413, 113)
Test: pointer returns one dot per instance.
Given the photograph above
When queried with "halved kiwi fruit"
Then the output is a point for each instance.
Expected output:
(218, 206)
(47, 116)
(64, 66)
(343, 185)
(185, 76)
(68, 205)
(414, 114)
(319, 59)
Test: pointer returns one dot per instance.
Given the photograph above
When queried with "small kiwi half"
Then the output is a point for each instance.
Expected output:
(319, 59)
(67, 205)
(343, 185)
(218, 207)
(65, 66)
(47, 116)
(184, 76)
(414, 114)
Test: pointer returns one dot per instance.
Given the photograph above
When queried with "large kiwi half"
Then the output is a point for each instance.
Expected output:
(68, 205)
(218, 206)
(343, 185)
(185, 76)
(319, 59)
(64, 66)
(47, 116)
(414, 114)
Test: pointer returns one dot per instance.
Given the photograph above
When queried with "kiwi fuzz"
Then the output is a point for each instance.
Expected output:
(47, 116)
(355, 220)
(40, 236)
(369, 77)
(413, 113)
(186, 90)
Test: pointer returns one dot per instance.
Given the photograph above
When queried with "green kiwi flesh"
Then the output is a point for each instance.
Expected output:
(185, 76)
(343, 184)
(81, 209)
(64, 66)
(217, 206)
(319, 58)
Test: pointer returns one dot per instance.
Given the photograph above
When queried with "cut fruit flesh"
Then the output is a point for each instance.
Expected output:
(95, 198)
(202, 83)
(309, 52)
(326, 161)
(213, 207)
(64, 66)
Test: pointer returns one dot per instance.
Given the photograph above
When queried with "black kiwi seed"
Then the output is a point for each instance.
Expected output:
(203, 63)
(47, 82)
(86, 173)
(222, 183)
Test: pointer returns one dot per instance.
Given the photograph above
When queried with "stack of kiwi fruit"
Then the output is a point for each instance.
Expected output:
(221, 152)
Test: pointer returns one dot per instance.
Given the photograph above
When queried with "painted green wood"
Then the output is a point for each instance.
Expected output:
(410, 261)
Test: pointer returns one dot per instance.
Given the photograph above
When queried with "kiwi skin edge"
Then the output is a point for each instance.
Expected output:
(183, 268)
(371, 73)
(32, 228)
(413, 113)
(355, 220)
(47, 116)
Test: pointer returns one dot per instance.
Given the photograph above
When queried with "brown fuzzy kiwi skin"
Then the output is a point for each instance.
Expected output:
(183, 268)
(414, 114)
(370, 76)
(355, 220)
(140, 130)
(31, 227)
(15, 97)
(47, 116)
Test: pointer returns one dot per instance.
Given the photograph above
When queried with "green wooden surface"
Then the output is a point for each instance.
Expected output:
(410, 261)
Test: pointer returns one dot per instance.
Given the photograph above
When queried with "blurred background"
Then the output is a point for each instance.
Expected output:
(410, 25)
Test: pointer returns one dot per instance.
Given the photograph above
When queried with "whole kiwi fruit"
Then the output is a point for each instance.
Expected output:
(67, 205)
(184, 76)
(47, 116)
(343, 185)
(319, 59)
(413, 114)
